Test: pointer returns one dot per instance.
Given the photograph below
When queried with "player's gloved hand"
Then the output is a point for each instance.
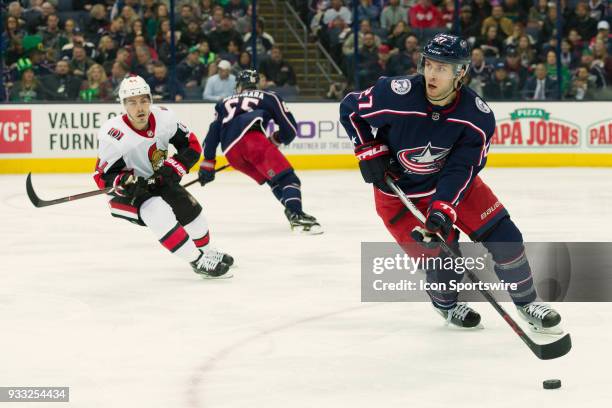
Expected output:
(440, 218)
(275, 139)
(171, 172)
(425, 238)
(374, 163)
(207, 171)
(128, 185)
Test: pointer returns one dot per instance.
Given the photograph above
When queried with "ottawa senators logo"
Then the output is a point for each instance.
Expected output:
(157, 157)
(423, 160)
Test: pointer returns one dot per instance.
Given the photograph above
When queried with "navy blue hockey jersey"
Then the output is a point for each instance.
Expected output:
(440, 149)
(237, 114)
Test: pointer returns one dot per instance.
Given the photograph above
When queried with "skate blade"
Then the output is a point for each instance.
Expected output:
(227, 275)
(553, 331)
(451, 326)
(314, 230)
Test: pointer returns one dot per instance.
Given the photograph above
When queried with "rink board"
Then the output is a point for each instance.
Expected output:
(62, 138)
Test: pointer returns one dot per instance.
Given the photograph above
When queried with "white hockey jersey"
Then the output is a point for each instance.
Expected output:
(124, 148)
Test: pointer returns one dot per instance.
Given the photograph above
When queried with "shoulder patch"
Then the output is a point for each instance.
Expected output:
(401, 86)
(482, 106)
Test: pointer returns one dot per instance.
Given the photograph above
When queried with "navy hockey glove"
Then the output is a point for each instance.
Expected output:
(441, 217)
(130, 186)
(375, 163)
(207, 171)
(170, 173)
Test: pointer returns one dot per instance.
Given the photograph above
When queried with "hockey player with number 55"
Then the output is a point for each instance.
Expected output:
(432, 135)
(133, 158)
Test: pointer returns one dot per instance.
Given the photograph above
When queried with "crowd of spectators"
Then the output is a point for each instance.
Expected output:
(68, 50)
(514, 43)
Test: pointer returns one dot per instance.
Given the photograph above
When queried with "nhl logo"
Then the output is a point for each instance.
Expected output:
(435, 116)
(482, 106)
(150, 133)
(401, 86)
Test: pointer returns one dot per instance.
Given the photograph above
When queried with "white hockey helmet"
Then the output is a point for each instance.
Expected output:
(133, 86)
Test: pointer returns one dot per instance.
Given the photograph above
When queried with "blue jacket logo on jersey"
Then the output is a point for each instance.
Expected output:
(424, 159)
(401, 86)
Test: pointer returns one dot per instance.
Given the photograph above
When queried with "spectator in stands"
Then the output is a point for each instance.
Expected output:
(162, 87)
(153, 22)
(243, 24)
(97, 23)
(36, 16)
(78, 39)
(106, 53)
(141, 41)
(221, 36)
(384, 54)
(278, 71)
(205, 10)
(142, 63)
(14, 52)
(392, 14)
(244, 62)
(540, 87)
(568, 58)
(119, 5)
(80, 62)
(264, 40)
(576, 41)
(207, 57)
(96, 87)
(397, 35)
(193, 34)
(400, 63)
(491, 44)
(129, 15)
(337, 9)
(581, 21)
(233, 52)
(135, 29)
(13, 30)
(236, 8)
(481, 10)
(583, 85)
(369, 11)
(518, 30)
(221, 84)
(549, 24)
(537, 14)
(27, 88)
(425, 15)
(117, 31)
(191, 70)
(551, 70)
(62, 85)
(448, 13)
(526, 52)
(348, 46)
(118, 73)
(602, 58)
(480, 72)
(501, 86)
(497, 18)
(215, 21)
(50, 33)
(470, 28)
(367, 67)
(603, 33)
(516, 10)
(597, 9)
(595, 69)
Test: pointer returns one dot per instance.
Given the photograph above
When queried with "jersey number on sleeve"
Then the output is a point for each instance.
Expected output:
(247, 105)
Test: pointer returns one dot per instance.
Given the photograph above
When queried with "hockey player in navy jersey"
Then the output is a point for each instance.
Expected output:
(239, 124)
(133, 159)
(432, 135)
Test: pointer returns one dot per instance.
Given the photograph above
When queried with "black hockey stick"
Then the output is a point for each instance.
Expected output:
(38, 202)
(548, 351)
(216, 171)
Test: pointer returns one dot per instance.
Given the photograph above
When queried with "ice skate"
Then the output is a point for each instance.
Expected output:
(211, 264)
(541, 318)
(461, 316)
(304, 223)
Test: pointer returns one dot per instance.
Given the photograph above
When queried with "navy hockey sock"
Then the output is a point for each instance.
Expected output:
(276, 190)
(291, 195)
(505, 243)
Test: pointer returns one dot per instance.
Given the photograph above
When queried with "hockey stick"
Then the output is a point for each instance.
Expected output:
(548, 351)
(38, 202)
(216, 171)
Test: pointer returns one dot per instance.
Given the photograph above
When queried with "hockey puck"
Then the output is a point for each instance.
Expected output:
(552, 384)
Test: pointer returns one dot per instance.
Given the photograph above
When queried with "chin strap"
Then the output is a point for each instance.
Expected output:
(455, 89)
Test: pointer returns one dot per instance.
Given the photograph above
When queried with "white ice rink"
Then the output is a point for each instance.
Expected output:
(95, 303)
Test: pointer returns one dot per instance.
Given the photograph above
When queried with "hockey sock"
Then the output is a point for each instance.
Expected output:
(198, 230)
(291, 195)
(158, 216)
(441, 295)
(505, 243)
(276, 190)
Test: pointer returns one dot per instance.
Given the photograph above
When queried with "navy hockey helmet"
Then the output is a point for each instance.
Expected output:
(247, 79)
(449, 49)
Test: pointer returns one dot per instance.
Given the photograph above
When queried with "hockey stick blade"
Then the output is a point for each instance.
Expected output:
(31, 193)
(548, 351)
(38, 202)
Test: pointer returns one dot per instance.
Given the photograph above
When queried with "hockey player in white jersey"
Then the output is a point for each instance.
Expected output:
(133, 159)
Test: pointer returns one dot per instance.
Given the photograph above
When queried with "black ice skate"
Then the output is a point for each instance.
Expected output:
(212, 264)
(303, 222)
(461, 316)
(541, 318)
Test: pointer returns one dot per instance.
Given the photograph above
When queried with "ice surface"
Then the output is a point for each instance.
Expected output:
(95, 303)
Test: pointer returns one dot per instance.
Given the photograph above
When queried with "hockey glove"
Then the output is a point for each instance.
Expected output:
(170, 173)
(440, 218)
(375, 163)
(130, 186)
(207, 171)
